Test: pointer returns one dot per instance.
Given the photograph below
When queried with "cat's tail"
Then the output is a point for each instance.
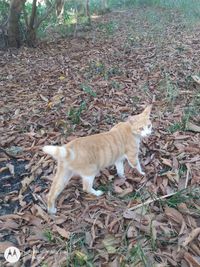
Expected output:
(58, 152)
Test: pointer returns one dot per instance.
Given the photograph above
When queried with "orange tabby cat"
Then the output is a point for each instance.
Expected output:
(86, 156)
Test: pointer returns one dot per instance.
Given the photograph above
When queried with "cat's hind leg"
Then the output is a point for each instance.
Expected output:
(60, 180)
(88, 185)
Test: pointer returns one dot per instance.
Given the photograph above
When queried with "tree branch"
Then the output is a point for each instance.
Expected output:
(33, 13)
(45, 16)
(25, 16)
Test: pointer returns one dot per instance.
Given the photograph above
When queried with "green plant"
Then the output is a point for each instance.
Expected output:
(87, 89)
(137, 255)
(116, 85)
(108, 28)
(113, 71)
(96, 68)
(77, 252)
(171, 91)
(177, 126)
(49, 235)
(183, 196)
(182, 170)
(4, 9)
(75, 113)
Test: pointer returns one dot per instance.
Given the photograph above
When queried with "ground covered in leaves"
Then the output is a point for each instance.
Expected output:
(83, 85)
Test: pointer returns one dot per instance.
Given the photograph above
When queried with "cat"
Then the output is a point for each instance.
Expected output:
(86, 156)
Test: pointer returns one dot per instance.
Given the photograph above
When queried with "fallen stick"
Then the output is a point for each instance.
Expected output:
(187, 175)
(151, 201)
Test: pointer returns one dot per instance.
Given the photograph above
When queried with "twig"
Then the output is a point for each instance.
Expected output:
(151, 201)
(187, 175)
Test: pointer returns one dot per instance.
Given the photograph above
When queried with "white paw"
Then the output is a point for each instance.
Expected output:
(97, 192)
(52, 210)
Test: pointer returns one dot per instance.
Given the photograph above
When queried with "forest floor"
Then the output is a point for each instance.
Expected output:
(83, 85)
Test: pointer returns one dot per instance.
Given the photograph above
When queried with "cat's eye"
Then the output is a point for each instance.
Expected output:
(141, 129)
(149, 125)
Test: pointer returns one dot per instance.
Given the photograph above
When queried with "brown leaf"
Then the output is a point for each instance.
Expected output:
(193, 261)
(131, 232)
(173, 176)
(11, 168)
(88, 239)
(25, 183)
(128, 214)
(60, 220)
(44, 98)
(118, 189)
(9, 224)
(95, 222)
(110, 243)
(126, 191)
(114, 263)
(196, 78)
(40, 212)
(191, 236)
(4, 245)
(174, 215)
(193, 127)
(37, 237)
(167, 162)
(62, 232)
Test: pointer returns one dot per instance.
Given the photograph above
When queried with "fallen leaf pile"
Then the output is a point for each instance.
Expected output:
(79, 86)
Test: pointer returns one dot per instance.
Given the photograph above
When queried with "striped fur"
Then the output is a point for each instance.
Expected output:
(86, 156)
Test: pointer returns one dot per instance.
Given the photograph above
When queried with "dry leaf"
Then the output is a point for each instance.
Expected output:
(131, 232)
(25, 183)
(114, 263)
(196, 78)
(9, 224)
(44, 98)
(11, 168)
(173, 176)
(193, 261)
(41, 213)
(167, 162)
(192, 127)
(174, 214)
(192, 236)
(4, 245)
(81, 256)
(62, 232)
(110, 243)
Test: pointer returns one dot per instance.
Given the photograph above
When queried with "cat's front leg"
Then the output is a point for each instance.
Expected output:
(88, 186)
(119, 164)
(133, 161)
(138, 167)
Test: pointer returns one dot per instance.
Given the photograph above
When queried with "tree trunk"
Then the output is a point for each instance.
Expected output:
(60, 10)
(13, 22)
(88, 11)
(104, 6)
(31, 31)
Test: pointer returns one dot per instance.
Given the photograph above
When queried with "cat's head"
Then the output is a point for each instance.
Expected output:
(141, 124)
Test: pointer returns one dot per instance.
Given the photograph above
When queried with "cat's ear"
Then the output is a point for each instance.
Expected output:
(147, 110)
